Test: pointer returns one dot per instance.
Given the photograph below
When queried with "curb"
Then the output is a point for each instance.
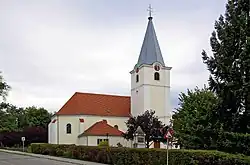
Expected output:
(60, 159)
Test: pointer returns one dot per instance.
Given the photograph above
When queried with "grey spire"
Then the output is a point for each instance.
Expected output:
(150, 51)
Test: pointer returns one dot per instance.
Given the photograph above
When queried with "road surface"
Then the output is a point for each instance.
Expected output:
(15, 159)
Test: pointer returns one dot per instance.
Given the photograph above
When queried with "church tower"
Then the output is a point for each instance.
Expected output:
(150, 79)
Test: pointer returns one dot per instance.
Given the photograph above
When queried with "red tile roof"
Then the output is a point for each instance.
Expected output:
(101, 128)
(96, 104)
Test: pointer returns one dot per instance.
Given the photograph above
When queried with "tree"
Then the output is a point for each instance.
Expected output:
(10, 117)
(4, 87)
(229, 66)
(195, 120)
(37, 117)
(147, 121)
(13, 118)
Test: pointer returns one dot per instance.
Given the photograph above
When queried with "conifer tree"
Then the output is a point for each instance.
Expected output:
(229, 66)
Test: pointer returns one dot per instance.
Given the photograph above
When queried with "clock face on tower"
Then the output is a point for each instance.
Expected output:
(157, 67)
(137, 70)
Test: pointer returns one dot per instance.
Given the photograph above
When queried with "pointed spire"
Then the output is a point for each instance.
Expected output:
(150, 51)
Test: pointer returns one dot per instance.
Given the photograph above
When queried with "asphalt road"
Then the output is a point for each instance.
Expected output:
(14, 159)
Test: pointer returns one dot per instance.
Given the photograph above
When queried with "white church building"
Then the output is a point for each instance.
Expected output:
(88, 118)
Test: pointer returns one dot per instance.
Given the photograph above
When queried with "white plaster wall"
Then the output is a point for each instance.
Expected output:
(50, 136)
(137, 93)
(151, 94)
(52, 132)
(78, 128)
(157, 101)
(137, 101)
(83, 141)
(113, 141)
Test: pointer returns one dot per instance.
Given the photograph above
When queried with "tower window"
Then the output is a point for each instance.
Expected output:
(137, 78)
(68, 128)
(157, 76)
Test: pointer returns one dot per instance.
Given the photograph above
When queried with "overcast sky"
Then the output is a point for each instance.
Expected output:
(49, 49)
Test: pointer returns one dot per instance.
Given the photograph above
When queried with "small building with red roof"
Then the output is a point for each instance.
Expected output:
(89, 118)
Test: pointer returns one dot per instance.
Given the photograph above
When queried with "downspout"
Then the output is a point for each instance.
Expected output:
(57, 129)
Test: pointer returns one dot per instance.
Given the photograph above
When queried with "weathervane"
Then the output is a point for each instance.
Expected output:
(150, 10)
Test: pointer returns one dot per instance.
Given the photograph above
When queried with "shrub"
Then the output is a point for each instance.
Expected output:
(104, 143)
(234, 143)
(124, 156)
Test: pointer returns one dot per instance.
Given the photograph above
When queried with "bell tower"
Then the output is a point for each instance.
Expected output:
(150, 79)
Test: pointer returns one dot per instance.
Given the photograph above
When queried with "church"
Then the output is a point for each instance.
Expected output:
(90, 118)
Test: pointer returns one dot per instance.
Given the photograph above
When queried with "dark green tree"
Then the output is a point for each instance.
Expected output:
(11, 117)
(37, 117)
(14, 118)
(229, 66)
(195, 120)
(4, 87)
(5, 124)
(147, 121)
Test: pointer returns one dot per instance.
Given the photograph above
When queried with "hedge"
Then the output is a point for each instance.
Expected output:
(230, 142)
(31, 134)
(125, 156)
(234, 143)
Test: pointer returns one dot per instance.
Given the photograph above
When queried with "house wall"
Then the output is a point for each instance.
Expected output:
(113, 141)
(52, 131)
(77, 128)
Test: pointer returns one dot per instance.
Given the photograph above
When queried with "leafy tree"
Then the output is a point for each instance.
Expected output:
(195, 120)
(13, 118)
(4, 87)
(147, 121)
(16, 122)
(37, 116)
(10, 117)
(230, 66)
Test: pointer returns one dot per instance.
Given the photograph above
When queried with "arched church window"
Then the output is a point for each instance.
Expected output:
(157, 76)
(137, 78)
(68, 128)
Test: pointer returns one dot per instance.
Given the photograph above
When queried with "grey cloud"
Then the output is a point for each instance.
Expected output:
(51, 49)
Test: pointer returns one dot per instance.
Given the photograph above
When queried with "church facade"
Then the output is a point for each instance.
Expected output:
(89, 118)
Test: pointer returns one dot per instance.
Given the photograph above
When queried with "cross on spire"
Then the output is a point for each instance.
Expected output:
(150, 10)
(150, 50)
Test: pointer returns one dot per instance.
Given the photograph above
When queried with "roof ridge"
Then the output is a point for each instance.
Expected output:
(92, 126)
(96, 104)
(100, 123)
(102, 94)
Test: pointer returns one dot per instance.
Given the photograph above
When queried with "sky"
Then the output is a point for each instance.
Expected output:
(50, 49)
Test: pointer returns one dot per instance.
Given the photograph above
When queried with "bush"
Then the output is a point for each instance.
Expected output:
(234, 143)
(124, 156)
(104, 143)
